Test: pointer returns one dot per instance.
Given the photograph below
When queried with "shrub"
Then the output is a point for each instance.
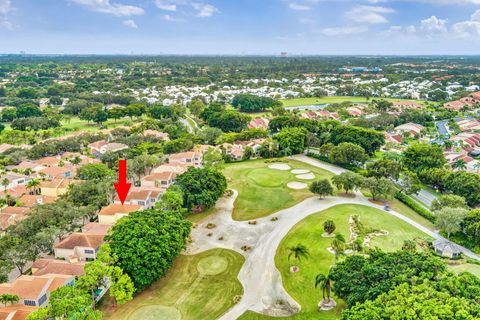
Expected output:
(415, 206)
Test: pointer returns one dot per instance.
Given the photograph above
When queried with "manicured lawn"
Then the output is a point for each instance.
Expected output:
(202, 286)
(410, 213)
(328, 100)
(472, 268)
(76, 124)
(263, 191)
(308, 232)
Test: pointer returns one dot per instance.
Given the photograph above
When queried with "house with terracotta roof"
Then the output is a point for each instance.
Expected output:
(14, 180)
(146, 198)
(356, 111)
(412, 129)
(29, 200)
(393, 138)
(55, 187)
(48, 162)
(34, 291)
(176, 168)
(259, 123)
(402, 105)
(42, 267)
(159, 179)
(57, 172)
(5, 147)
(469, 124)
(9, 216)
(157, 134)
(30, 165)
(79, 247)
(96, 228)
(16, 312)
(16, 192)
(115, 211)
(466, 102)
(101, 147)
(190, 158)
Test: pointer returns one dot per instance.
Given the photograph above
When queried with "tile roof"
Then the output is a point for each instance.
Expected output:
(119, 208)
(55, 266)
(80, 240)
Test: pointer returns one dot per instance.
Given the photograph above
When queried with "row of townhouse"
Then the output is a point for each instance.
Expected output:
(467, 102)
(50, 274)
(466, 125)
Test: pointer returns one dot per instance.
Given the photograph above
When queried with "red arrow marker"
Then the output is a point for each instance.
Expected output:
(122, 186)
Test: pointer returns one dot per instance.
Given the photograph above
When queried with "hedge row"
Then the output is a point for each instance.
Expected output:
(415, 206)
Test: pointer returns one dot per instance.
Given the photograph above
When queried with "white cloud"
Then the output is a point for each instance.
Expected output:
(343, 31)
(298, 6)
(5, 9)
(434, 25)
(130, 23)
(469, 28)
(202, 10)
(369, 14)
(170, 18)
(205, 10)
(104, 6)
(166, 5)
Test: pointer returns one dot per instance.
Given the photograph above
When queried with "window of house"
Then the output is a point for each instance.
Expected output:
(88, 251)
(141, 203)
(42, 299)
(29, 303)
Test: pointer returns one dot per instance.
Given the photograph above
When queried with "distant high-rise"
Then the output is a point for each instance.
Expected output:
(284, 54)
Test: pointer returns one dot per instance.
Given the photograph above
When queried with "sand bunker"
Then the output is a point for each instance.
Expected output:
(280, 166)
(306, 176)
(297, 185)
(212, 265)
(300, 171)
(156, 312)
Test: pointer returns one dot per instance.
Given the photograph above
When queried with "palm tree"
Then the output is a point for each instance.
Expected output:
(329, 227)
(298, 252)
(338, 246)
(5, 184)
(325, 283)
(9, 298)
(33, 184)
(460, 164)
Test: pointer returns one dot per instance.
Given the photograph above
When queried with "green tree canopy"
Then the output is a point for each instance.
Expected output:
(147, 242)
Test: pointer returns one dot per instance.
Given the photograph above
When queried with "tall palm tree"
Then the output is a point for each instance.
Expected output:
(338, 246)
(298, 252)
(460, 164)
(5, 184)
(325, 283)
(33, 185)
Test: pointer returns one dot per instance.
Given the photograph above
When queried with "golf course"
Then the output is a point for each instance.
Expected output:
(263, 190)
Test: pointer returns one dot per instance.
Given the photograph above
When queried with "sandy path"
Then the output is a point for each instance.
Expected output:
(261, 280)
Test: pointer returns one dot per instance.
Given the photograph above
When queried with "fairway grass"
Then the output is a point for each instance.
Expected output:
(331, 100)
(263, 191)
(201, 286)
(308, 232)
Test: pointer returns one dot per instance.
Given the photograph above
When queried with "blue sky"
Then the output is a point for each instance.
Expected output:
(240, 26)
